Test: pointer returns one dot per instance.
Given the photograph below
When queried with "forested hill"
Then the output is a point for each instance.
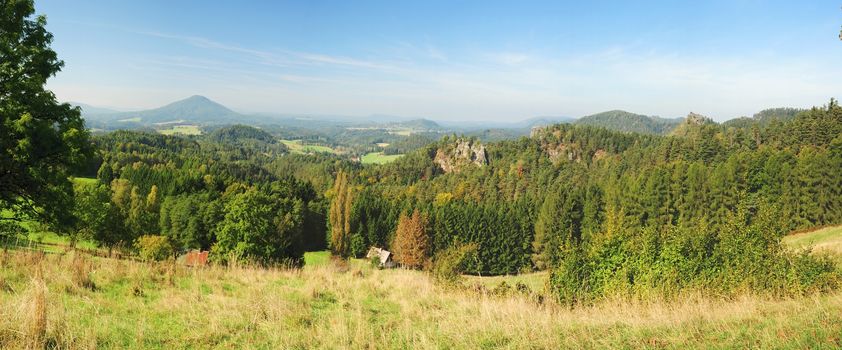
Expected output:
(630, 122)
(578, 191)
(241, 133)
(765, 118)
(237, 192)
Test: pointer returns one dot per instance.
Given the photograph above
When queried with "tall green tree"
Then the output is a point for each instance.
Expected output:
(340, 216)
(41, 141)
(261, 228)
(98, 218)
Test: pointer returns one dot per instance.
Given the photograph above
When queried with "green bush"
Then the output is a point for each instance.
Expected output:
(745, 255)
(449, 264)
(154, 247)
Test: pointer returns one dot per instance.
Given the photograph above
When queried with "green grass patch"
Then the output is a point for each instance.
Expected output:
(320, 258)
(827, 240)
(130, 120)
(825, 237)
(379, 158)
(296, 146)
(84, 181)
(182, 130)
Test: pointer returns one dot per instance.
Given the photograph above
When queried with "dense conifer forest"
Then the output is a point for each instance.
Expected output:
(612, 212)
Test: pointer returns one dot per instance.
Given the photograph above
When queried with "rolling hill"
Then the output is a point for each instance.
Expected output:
(765, 117)
(93, 110)
(630, 122)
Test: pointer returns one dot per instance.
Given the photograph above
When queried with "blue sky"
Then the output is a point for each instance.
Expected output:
(451, 60)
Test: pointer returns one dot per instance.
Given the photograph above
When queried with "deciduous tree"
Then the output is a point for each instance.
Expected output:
(41, 141)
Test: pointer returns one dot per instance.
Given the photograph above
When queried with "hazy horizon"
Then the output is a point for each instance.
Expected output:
(440, 61)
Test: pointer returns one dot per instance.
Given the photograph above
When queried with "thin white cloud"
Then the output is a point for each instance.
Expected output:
(422, 79)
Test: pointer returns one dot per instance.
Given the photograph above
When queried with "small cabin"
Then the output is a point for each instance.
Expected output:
(383, 256)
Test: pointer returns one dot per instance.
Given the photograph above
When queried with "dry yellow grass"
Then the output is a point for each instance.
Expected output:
(138, 305)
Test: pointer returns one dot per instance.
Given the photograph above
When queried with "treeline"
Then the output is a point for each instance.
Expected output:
(233, 192)
(610, 200)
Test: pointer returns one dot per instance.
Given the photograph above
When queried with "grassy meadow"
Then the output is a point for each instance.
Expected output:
(73, 300)
(378, 158)
(827, 240)
(182, 130)
(296, 146)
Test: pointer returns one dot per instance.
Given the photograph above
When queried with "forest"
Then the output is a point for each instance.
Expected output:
(615, 213)
(606, 212)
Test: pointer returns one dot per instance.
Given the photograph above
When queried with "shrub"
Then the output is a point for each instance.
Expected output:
(744, 255)
(450, 263)
(154, 247)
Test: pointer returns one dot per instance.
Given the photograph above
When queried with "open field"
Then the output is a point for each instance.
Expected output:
(91, 302)
(182, 130)
(87, 302)
(827, 240)
(379, 158)
(297, 146)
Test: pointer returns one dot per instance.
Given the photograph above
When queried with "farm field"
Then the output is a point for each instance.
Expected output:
(297, 146)
(379, 158)
(182, 130)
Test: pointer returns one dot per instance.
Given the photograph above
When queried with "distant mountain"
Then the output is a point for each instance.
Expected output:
(630, 122)
(543, 121)
(92, 110)
(522, 127)
(419, 124)
(197, 109)
(194, 108)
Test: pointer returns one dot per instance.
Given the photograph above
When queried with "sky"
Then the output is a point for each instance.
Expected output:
(451, 60)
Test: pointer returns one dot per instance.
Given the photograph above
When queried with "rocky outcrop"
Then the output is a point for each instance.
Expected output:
(464, 153)
(561, 151)
(691, 123)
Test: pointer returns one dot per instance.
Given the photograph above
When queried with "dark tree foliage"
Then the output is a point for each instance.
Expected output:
(41, 141)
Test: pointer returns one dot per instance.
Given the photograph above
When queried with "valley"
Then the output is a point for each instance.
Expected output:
(419, 175)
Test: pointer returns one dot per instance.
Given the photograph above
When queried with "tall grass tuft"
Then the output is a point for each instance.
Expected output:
(36, 328)
(80, 272)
